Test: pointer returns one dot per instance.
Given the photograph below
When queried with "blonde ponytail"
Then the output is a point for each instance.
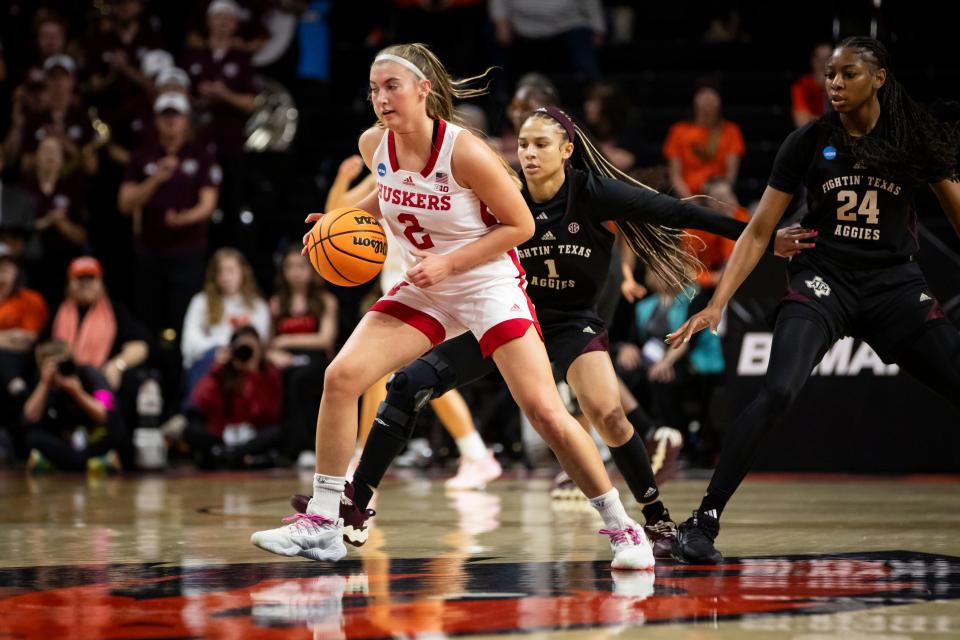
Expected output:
(444, 89)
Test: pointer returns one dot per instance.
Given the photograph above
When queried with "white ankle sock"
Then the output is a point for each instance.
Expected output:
(611, 510)
(471, 446)
(326, 496)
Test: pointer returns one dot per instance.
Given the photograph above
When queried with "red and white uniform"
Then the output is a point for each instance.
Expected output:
(428, 210)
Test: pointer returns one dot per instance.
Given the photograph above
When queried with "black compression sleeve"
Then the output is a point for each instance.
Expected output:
(607, 199)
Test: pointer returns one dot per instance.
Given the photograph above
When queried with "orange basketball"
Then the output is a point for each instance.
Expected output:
(347, 246)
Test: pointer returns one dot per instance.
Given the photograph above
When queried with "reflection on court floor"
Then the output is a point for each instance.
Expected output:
(166, 558)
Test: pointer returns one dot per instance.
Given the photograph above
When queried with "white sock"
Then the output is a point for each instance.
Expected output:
(611, 510)
(326, 496)
(471, 446)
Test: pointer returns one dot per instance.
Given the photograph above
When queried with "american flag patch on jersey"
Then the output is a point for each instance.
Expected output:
(440, 177)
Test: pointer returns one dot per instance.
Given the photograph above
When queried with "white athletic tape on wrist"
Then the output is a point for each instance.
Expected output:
(389, 57)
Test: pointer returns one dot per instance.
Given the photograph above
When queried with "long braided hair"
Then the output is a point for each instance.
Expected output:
(660, 248)
(914, 146)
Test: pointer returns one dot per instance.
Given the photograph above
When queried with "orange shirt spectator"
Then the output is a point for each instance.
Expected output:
(703, 147)
(703, 153)
(23, 309)
(808, 97)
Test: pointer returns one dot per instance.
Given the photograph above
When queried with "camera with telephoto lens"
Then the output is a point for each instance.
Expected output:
(67, 367)
(241, 353)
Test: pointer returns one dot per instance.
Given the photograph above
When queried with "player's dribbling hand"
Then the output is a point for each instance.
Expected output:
(709, 318)
(431, 269)
(310, 219)
(790, 241)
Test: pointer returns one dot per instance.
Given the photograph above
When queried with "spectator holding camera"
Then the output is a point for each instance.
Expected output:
(236, 406)
(69, 416)
(229, 300)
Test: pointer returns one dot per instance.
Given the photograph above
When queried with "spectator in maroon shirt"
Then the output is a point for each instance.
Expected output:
(171, 189)
(64, 116)
(139, 130)
(115, 54)
(222, 79)
(50, 39)
(60, 220)
(236, 406)
(252, 33)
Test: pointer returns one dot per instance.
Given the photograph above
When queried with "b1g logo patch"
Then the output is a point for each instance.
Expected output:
(381, 169)
(829, 153)
(820, 288)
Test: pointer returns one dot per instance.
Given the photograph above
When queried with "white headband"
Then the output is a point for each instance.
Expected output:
(389, 57)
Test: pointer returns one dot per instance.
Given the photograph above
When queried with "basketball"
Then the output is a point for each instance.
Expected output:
(347, 247)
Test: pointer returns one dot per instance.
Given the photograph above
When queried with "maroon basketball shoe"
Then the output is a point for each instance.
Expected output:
(354, 520)
(662, 535)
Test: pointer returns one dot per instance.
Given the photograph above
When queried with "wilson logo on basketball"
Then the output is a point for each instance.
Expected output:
(365, 220)
(377, 245)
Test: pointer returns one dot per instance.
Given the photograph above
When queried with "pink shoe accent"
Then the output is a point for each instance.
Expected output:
(314, 519)
(620, 535)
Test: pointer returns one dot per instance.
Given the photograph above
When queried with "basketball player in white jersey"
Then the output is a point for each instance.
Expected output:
(477, 465)
(457, 214)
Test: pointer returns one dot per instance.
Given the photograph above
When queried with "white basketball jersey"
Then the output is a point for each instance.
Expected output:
(428, 210)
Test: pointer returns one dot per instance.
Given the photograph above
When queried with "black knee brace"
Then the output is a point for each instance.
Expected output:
(410, 389)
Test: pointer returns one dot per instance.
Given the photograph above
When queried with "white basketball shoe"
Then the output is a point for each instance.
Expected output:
(631, 549)
(311, 536)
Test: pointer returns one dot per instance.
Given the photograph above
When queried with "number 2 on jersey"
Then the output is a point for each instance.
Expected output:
(413, 227)
(868, 207)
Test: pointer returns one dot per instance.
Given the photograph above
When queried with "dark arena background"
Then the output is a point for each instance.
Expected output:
(157, 161)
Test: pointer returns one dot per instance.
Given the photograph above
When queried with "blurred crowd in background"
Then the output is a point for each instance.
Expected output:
(158, 159)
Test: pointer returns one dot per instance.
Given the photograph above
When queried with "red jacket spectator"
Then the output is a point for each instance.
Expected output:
(255, 400)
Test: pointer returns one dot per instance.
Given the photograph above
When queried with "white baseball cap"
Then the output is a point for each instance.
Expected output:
(155, 61)
(172, 74)
(60, 61)
(172, 100)
(225, 6)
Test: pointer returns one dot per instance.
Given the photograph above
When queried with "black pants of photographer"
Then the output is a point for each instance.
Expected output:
(302, 386)
(61, 455)
(210, 451)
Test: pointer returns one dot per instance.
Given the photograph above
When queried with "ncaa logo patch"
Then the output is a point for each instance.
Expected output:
(381, 169)
(829, 152)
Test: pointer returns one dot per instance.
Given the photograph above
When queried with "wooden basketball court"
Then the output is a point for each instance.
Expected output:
(169, 557)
